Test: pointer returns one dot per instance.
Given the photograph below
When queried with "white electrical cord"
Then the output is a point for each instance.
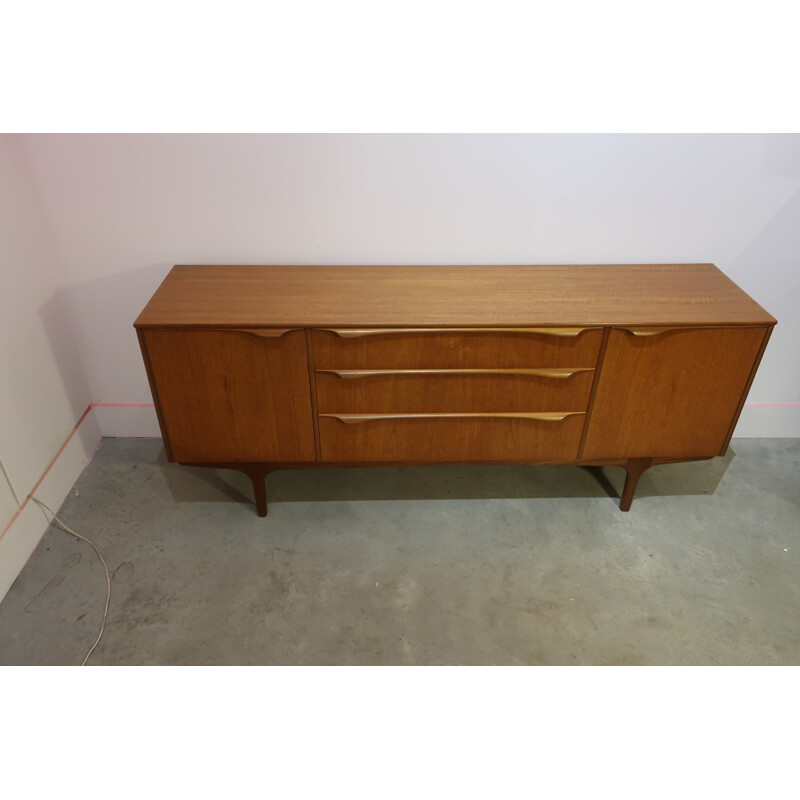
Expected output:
(102, 560)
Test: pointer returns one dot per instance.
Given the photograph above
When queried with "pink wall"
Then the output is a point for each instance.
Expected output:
(121, 209)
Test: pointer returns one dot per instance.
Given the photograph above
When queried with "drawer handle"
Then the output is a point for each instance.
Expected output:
(261, 333)
(353, 333)
(538, 373)
(657, 331)
(646, 331)
(544, 416)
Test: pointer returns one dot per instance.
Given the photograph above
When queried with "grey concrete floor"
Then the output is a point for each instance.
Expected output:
(428, 565)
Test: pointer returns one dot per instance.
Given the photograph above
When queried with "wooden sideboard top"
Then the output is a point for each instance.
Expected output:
(319, 296)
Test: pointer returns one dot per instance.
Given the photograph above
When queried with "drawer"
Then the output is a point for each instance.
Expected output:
(406, 391)
(449, 437)
(455, 348)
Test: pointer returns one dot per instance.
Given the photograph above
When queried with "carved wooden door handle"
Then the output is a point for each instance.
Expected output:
(349, 374)
(353, 333)
(262, 333)
(544, 416)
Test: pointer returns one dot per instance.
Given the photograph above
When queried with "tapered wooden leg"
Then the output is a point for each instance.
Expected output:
(258, 477)
(257, 472)
(634, 468)
(260, 492)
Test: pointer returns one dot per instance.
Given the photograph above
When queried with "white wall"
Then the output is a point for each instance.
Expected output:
(8, 503)
(123, 208)
(43, 391)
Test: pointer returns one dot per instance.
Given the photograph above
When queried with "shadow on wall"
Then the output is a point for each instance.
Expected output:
(204, 485)
(100, 314)
(55, 321)
(778, 379)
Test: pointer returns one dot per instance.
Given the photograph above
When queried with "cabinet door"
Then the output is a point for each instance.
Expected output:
(233, 395)
(670, 393)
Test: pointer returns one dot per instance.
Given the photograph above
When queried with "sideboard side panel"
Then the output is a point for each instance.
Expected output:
(154, 392)
(670, 393)
(229, 395)
(745, 392)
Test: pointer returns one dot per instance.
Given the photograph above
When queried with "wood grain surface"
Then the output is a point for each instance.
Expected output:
(387, 296)
(452, 391)
(230, 396)
(670, 395)
(452, 350)
(450, 439)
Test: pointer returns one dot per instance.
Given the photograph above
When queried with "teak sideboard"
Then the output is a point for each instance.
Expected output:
(258, 368)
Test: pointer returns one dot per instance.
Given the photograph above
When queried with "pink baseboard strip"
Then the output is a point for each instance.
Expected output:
(772, 405)
(150, 405)
(44, 474)
(121, 405)
(61, 450)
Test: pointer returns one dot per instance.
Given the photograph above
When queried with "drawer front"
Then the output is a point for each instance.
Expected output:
(455, 348)
(408, 391)
(449, 438)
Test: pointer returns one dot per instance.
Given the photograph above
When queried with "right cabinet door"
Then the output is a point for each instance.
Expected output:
(670, 392)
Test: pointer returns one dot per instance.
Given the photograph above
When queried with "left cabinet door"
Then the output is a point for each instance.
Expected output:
(232, 395)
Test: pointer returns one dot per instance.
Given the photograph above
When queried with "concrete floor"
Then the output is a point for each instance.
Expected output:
(429, 565)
